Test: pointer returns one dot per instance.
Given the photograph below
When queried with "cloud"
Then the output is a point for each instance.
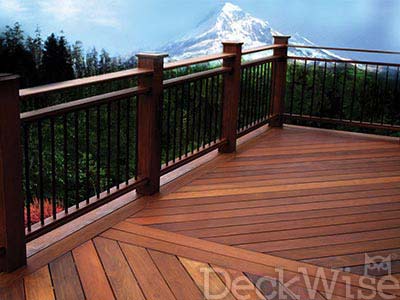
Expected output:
(12, 6)
(98, 12)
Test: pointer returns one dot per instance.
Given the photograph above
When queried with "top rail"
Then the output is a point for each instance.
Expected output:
(261, 49)
(197, 60)
(345, 49)
(65, 85)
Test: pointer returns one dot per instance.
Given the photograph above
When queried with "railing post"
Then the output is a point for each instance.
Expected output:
(231, 95)
(279, 69)
(12, 228)
(149, 122)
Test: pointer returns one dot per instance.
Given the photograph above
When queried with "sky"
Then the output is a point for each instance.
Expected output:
(126, 26)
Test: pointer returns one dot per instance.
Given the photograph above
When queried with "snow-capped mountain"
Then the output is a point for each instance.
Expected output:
(231, 23)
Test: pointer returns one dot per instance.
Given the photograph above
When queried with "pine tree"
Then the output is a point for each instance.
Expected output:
(35, 47)
(56, 63)
(14, 58)
(78, 60)
(105, 62)
(92, 63)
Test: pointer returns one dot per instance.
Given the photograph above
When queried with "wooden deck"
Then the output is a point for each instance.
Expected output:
(293, 198)
(316, 196)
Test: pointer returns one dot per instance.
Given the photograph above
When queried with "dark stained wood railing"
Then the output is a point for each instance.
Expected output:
(83, 152)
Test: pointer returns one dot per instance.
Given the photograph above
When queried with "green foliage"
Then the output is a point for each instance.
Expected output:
(53, 60)
(343, 91)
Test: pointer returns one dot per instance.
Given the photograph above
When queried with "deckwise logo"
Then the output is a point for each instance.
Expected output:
(316, 283)
(378, 265)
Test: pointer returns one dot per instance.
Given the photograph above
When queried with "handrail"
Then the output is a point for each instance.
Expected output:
(349, 61)
(79, 104)
(262, 48)
(261, 60)
(344, 49)
(194, 76)
(60, 86)
(197, 60)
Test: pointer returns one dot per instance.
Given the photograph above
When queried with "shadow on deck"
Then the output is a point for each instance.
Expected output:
(290, 203)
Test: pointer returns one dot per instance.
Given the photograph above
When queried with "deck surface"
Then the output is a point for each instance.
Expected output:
(288, 200)
(317, 196)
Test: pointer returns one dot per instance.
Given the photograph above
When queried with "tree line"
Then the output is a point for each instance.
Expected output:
(41, 60)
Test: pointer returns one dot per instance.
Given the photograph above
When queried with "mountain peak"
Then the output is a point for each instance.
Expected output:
(229, 7)
(230, 23)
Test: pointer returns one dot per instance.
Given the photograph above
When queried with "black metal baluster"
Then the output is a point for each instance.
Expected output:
(323, 91)
(248, 95)
(377, 95)
(77, 182)
(175, 124)
(219, 106)
(212, 112)
(293, 87)
(168, 143)
(27, 177)
(187, 120)
(108, 171)
(254, 95)
(127, 137)
(41, 189)
(182, 105)
(313, 89)
(136, 140)
(364, 94)
(87, 139)
(241, 102)
(205, 113)
(303, 87)
(65, 154)
(268, 91)
(53, 170)
(385, 95)
(257, 95)
(200, 97)
(194, 110)
(98, 136)
(343, 92)
(334, 86)
(353, 93)
(118, 161)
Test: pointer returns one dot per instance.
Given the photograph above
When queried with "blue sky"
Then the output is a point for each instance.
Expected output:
(125, 26)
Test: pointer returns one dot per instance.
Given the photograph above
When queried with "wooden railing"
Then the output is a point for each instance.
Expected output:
(344, 93)
(81, 147)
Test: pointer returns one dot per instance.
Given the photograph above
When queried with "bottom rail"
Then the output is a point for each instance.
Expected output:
(342, 122)
(94, 202)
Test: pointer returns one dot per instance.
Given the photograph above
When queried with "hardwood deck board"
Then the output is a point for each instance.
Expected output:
(91, 272)
(15, 291)
(156, 210)
(149, 277)
(287, 235)
(263, 210)
(175, 275)
(254, 219)
(217, 287)
(116, 267)
(38, 286)
(66, 279)
(227, 231)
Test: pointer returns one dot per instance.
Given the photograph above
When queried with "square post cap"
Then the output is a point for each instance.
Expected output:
(281, 39)
(151, 55)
